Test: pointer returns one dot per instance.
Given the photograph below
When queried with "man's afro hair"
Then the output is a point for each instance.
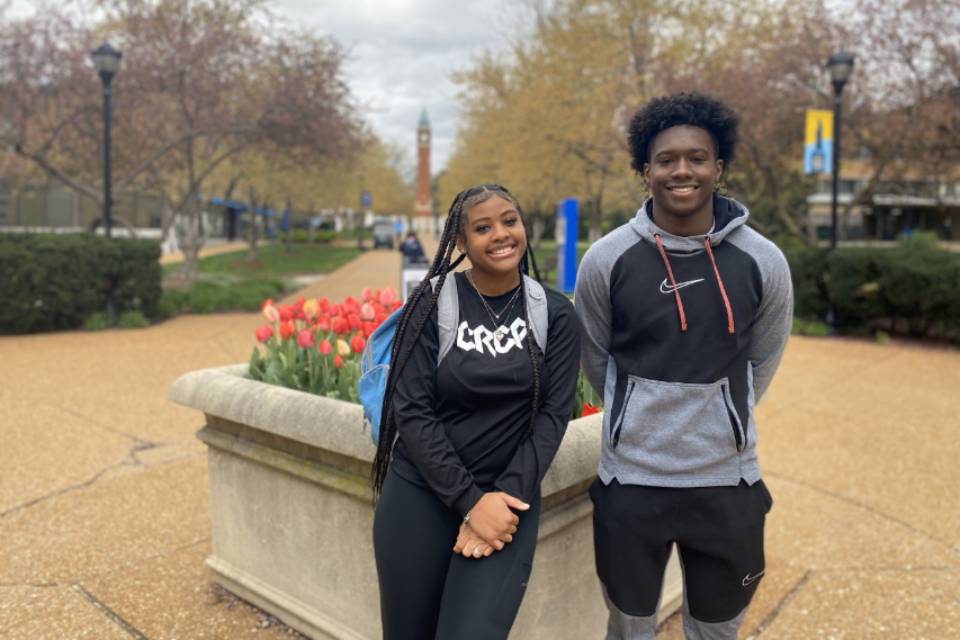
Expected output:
(694, 109)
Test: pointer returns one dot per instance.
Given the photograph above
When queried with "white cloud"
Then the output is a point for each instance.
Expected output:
(402, 53)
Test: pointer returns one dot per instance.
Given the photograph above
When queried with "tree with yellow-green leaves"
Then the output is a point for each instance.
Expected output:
(280, 181)
(549, 118)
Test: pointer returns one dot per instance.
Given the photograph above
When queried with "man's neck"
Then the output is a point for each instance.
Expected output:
(697, 224)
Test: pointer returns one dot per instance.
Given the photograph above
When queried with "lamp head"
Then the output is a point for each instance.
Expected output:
(107, 61)
(840, 65)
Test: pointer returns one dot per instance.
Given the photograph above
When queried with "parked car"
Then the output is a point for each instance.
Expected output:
(383, 234)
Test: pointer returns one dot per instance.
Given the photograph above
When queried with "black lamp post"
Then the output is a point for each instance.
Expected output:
(840, 65)
(107, 61)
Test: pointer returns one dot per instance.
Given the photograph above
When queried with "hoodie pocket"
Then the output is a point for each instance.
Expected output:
(739, 435)
(678, 426)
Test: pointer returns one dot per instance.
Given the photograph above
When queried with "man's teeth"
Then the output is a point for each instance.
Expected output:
(682, 189)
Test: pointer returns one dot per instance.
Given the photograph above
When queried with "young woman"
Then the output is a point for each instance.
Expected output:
(465, 443)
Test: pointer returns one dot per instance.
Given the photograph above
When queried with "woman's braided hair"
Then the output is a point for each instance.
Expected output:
(443, 265)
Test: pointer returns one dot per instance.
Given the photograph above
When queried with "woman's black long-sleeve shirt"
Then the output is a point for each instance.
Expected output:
(464, 427)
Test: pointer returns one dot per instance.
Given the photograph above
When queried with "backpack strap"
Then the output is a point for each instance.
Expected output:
(448, 314)
(537, 311)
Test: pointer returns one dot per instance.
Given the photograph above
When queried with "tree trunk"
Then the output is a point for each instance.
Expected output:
(193, 239)
(289, 230)
(536, 230)
(253, 229)
(596, 218)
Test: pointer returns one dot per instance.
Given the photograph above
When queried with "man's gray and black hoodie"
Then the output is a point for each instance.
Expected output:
(682, 336)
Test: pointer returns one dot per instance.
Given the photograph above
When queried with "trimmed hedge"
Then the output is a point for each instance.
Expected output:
(913, 289)
(51, 282)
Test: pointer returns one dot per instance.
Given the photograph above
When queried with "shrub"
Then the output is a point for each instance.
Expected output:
(219, 293)
(132, 320)
(97, 321)
(53, 282)
(912, 289)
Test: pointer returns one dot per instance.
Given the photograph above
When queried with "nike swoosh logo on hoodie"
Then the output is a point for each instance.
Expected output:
(667, 288)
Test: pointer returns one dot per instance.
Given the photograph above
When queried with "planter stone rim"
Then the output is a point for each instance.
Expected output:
(226, 392)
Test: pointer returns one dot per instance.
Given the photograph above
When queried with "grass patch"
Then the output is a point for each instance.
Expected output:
(229, 282)
(276, 260)
(218, 294)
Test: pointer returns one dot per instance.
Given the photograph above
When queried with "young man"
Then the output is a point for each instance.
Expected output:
(685, 312)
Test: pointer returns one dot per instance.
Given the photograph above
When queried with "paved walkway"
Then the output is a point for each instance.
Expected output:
(104, 507)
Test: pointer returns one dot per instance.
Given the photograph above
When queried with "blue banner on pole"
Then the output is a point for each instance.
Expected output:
(566, 233)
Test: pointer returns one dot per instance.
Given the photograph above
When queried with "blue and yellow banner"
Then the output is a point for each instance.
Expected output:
(818, 142)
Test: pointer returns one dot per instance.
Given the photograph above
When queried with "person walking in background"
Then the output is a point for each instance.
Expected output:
(464, 443)
(411, 248)
(686, 311)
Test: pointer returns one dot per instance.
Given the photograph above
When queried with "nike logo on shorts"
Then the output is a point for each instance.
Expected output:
(750, 579)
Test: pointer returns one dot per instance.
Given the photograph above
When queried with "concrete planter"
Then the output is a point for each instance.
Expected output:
(292, 518)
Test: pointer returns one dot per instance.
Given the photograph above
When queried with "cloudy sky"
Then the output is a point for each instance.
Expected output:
(402, 53)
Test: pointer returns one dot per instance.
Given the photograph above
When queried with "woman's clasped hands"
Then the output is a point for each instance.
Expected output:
(489, 526)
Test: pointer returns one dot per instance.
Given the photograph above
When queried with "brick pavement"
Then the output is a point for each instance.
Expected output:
(103, 494)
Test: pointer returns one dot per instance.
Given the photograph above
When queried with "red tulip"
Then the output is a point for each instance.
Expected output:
(286, 329)
(324, 347)
(337, 361)
(387, 296)
(266, 303)
(305, 338)
(286, 314)
(396, 304)
(366, 294)
(355, 321)
(339, 325)
(357, 344)
(589, 410)
(264, 333)
(323, 324)
(324, 304)
(368, 329)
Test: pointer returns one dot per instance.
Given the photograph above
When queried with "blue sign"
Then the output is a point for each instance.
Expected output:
(365, 200)
(567, 227)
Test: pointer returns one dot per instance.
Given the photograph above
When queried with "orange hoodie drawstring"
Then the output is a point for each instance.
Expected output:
(723, 291)
(673, 283)
(676, 293)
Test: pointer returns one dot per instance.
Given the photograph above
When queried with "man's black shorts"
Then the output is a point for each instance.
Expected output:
(719, 536)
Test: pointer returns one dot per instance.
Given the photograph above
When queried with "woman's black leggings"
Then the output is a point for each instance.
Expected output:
(426, 590)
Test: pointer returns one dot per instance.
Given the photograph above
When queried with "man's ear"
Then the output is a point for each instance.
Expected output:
(719, 170)
(646, 175)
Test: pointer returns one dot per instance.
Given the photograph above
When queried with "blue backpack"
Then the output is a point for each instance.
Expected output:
(375, 362)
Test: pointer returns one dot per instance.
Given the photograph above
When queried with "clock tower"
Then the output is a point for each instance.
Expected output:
(423, 206)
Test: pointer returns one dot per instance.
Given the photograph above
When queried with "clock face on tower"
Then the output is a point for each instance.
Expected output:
(424, 137)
